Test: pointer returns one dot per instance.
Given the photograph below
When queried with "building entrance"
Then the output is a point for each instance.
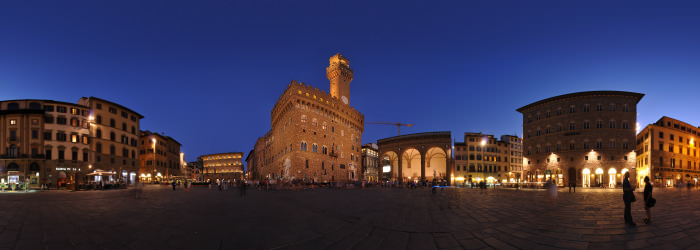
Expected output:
(586, 178)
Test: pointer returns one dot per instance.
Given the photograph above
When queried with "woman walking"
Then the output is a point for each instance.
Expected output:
(648, 200)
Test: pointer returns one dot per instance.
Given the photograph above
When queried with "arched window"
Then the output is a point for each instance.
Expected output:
(314, 122)
(112, 150)
(98, 119)
(13, 106)
(34, 167)
(12, 167)
(34, 105)
(124, 126)
(303, 118)
(98, 148)
(98, 133)
(133, 130)
(324, 126)
(314, 148)
(112, 123)
(112, 136)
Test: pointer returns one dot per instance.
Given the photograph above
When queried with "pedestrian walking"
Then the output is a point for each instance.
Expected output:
(649, 201)
(552, 190)
(138, 191)
(628, 198)
(242, 188)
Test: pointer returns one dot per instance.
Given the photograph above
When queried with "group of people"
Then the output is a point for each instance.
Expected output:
(185, 185)
(628, 197)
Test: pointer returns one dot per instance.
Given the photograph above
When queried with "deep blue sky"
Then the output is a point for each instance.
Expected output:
(208, 72)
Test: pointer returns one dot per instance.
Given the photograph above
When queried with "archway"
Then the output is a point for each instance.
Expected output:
(410, 165)
(572, 176)
(12, 167)
(611, 174)
(599, 177)
(390, 164)
(586, 174)
(435, 164)
(559, 176)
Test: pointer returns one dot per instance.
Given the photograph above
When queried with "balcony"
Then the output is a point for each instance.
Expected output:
(13, 156)
(333, 154)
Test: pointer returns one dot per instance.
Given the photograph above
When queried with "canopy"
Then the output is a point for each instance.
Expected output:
(100, 172)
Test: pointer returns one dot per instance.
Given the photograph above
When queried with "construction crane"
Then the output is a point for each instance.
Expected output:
(397, 124)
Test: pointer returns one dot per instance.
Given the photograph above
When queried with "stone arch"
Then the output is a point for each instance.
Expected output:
(436, 166)
(35, 106)
(34, 167)
(12, 167)
(413, 149)
(411, 164)
(389, 164)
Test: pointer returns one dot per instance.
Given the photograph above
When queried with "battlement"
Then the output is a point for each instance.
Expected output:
(295, 86)
(314, 95)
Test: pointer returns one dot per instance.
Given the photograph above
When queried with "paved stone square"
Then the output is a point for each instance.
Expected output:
(374, 218)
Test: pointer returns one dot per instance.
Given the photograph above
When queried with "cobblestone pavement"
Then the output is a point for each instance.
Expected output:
(376, 218)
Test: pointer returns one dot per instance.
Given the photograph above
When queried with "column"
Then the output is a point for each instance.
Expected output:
(422, 166)
(399, 177)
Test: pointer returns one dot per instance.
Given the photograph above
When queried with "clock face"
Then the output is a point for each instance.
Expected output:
(344, 99)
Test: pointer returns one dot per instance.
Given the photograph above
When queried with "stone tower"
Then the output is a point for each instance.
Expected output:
(340, 75)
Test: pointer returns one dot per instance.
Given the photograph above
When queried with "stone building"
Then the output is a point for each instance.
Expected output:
(159, 157)
(195, 169)
(515, 157)
(223, 166)
(115, 132)
(22, 141)
(66, 142)
(667, 152)
(251, 166)
(417, 157)
(314, 136)
(587, 138)
(483, 157)
(53, 142)
(370, 162)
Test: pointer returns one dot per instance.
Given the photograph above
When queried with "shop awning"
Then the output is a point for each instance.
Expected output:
(100, 172)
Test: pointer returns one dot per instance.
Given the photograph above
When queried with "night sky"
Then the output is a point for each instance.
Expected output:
(208, 73)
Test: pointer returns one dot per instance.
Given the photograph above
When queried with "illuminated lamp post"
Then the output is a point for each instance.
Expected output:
(154, 158)
(483, 158)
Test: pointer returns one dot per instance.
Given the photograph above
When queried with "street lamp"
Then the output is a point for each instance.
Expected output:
(483, 157)
(154, 156)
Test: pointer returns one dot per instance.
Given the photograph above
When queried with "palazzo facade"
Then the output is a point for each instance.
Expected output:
(315, 136)
(668, 153)
(585, 138)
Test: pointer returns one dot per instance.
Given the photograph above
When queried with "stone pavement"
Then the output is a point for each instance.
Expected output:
(376, 218)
